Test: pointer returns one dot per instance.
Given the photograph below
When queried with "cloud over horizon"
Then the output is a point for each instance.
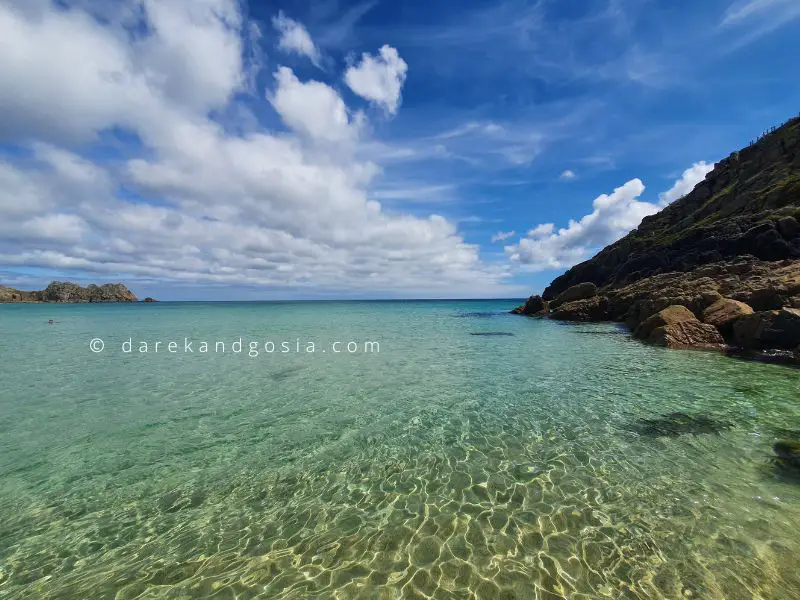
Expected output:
(355, 149)
(194, 201)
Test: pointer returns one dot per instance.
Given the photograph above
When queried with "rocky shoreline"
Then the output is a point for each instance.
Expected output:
(71, 293)
(743, 306)
(716, 269)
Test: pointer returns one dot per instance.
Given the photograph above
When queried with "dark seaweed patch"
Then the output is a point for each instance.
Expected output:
(492, 333)
(678, 423)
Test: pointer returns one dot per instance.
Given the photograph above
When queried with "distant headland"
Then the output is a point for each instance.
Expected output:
(65, 292)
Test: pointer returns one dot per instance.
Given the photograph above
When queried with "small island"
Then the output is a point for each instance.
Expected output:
(64, 292)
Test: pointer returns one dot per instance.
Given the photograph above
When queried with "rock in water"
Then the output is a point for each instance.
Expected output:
(582, 291)
(769, 329)
(687, 334)
(590, 309)
(724, 312)
(533, 306)
(668, 316)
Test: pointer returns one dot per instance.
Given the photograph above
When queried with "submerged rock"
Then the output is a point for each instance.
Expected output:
(788, 453)
(787, 450)
(678, 423)
(492, 334)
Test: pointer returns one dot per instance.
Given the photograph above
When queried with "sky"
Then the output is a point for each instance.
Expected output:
(223, 150)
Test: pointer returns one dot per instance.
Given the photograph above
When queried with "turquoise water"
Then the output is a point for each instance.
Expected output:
(444, 465)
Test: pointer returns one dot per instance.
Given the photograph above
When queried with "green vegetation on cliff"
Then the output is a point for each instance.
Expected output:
(749, 204)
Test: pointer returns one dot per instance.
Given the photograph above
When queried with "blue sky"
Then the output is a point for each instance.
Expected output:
(211, 149)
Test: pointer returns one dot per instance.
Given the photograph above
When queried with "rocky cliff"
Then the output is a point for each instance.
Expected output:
(66, 292)
(749, 204)
(718, 268)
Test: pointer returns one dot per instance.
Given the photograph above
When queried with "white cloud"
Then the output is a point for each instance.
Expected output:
(613, 216)
(295, 38)
(542, 230)
(740, 12)
(264, 208)
(567, 175)
(379, 79)
(313, 109)
(690, 178)
(502, 235)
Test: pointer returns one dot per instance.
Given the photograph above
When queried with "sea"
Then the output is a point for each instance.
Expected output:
(384, 450)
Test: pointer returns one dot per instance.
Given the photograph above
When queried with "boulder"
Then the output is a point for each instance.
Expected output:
(590, 309)
(724, 312)
(582, 291)
(788, 227)
(686, 334)
(667, 316)
(533, 306)
(149, 299)
(769, 329)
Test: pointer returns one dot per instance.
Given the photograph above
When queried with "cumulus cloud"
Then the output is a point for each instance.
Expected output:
(313, 109)
(190, 200)
(542, 230)
(613, 216)
(379, 79)
(502, 236)
(567, 175)
(295, 38)
(690, 178)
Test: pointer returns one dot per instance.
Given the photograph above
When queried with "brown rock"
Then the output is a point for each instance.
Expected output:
(724, 312)
(769, 329)
(667, 316)
(533, 306)
(710, 297)
(589, 309)
(582, 291)
(686, 334)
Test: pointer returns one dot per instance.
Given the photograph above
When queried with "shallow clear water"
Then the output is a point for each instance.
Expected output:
(446, 465)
